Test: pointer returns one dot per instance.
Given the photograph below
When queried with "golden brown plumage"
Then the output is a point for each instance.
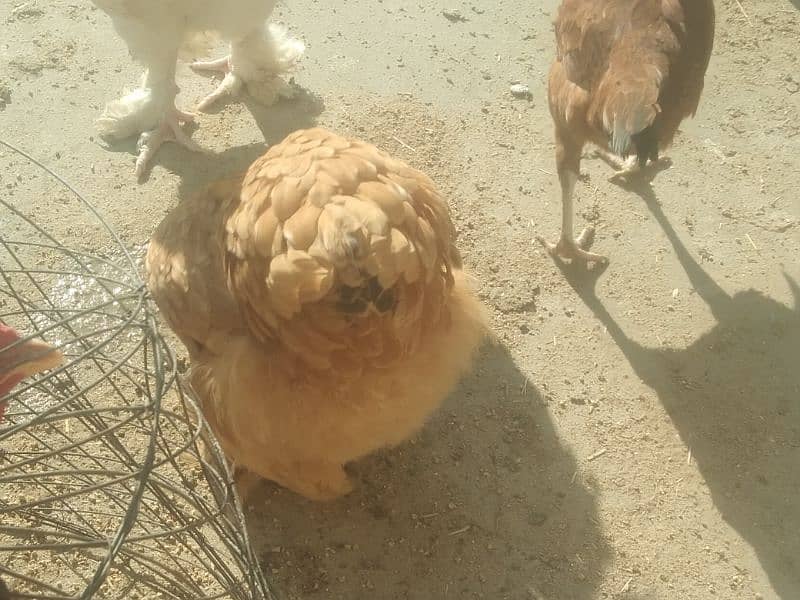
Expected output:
(323, 305)
(627, 72)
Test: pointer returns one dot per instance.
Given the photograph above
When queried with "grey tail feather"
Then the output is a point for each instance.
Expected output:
(620, 141)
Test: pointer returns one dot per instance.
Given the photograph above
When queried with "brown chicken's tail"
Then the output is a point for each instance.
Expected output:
(630, 112)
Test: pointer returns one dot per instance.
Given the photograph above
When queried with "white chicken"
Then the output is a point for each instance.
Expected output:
(156, 30)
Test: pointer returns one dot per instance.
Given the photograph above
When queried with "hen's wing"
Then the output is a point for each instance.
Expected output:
(339, 252)
(585, 33)
(185, 269)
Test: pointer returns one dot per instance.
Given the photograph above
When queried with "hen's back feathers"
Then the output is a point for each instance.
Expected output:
(339, 250)
(631, 69)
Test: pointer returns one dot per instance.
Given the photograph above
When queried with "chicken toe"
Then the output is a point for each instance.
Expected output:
(630, 166)
(220, 65)
(570, 249)
(230, 85)
(169, 130)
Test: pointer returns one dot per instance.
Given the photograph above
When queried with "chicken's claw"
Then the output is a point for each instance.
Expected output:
(221, 65)
(168, 131)
(573, 249)
(230, 85)
(628, 168)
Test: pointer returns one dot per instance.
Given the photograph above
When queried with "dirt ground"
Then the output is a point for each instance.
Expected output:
(635, 432)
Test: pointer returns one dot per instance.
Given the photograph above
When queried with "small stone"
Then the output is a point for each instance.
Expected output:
(520, 90)
(453, 15)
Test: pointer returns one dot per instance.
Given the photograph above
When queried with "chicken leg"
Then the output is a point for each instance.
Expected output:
(568, 157)
(168, 130)
(150, 112)
(258, 60)
(230, 85)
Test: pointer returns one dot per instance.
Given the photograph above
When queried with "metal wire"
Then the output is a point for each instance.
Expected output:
(111, 485)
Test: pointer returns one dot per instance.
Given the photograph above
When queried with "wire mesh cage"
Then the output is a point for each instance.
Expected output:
(110, 485)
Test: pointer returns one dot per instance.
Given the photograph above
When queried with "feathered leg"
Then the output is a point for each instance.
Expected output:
(257, 61)
(149, 111)
(568, 162)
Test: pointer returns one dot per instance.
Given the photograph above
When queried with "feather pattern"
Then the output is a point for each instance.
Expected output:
(323, 304)
(625, 65)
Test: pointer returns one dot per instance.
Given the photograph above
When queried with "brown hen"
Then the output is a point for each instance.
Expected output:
(323, 305)
(21, 358)
(627, 72)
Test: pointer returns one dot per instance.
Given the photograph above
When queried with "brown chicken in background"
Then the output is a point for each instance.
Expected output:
(323, 304)
(627, 72)
(20, 359)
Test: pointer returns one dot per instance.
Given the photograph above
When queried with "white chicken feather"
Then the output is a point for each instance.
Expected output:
(155, 31)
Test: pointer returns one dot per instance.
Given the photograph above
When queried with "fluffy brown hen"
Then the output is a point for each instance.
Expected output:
(323, 305)
(627, 72)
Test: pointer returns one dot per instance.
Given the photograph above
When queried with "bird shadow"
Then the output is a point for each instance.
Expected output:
(197, 169)
(734, 396)
(275, 122)
(485, 502)
(795, 3)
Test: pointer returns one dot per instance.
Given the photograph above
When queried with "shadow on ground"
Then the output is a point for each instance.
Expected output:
(483, 504)
(197, 169)
(734, 396)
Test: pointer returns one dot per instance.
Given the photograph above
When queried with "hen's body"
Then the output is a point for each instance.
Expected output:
(156, 30)
(323, 305)
(627, 72)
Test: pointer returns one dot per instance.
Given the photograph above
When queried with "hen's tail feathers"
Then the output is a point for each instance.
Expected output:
(261, 58)
(625, 116)
(629, 105)
(137, 111)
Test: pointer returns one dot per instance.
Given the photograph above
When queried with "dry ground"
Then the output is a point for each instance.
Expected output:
(636, 432)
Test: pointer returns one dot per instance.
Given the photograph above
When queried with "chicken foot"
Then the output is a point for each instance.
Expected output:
(257, 60)
(230, 85)
(168, 130)
(568, 164)
(265, 91)
(623, 167)
(627, 167)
